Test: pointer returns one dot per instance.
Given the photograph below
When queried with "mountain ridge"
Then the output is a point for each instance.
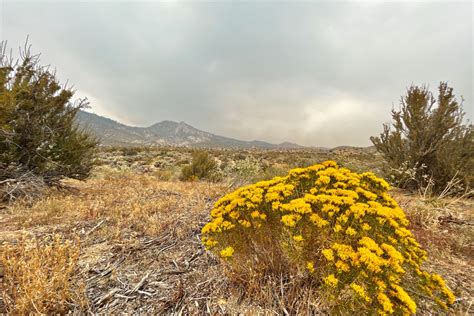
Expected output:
(167, 132)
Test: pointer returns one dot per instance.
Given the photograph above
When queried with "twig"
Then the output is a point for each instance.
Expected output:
(7, 180)
(139, 284)
(107, 296)
(124, 296)
(165, 248)
(95, 227)
(108, 270)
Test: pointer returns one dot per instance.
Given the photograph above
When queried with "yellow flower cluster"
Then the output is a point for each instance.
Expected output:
(344, 223)
(227, 252)
(359, 290)
(331, 280)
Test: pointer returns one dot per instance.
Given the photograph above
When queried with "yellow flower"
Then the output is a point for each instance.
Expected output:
(323, 180)
(380, 284)
(298, 206)
(318, 221)
(343, 218)
(370, 244)
(393, 253)
(331, 280)
(255, 214)
(363, 229)
(344, 252)
(234, 214)
(209, 242)
(227, 252)
(298, 238)
(245, 223)
(351, 232)
(405, 298)
(373, 262)
(436, 278)
(226, 225)
(342, 266)
(441, 303)
(366, 227)
(290, 220)
(328, 208)
(329, 254)
(359, 290)
(387, 305)
(337, 228)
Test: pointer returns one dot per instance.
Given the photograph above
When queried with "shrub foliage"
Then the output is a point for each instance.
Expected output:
(202, 167)
(340, 228)
(428, 143)
(38, 132)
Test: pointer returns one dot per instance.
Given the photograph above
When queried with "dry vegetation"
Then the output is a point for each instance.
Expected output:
(128, 239)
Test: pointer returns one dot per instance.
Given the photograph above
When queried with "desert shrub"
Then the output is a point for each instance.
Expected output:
(243, 170)
(340, 228)
(132, 150)
(202, 167)
(428, 145)
(272, 171)
(38, 133)
(39, 276)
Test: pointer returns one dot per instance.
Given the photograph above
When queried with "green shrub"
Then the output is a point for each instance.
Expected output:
(38, 133)
(202, 167)
(429, 145)
(340, 228)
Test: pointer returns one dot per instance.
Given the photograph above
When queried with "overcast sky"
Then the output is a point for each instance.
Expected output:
(314, 73)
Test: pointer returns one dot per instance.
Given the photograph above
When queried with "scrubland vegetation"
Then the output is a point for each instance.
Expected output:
(167, 230)
(128, 239)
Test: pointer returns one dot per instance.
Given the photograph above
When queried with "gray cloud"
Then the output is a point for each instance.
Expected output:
(321, 73)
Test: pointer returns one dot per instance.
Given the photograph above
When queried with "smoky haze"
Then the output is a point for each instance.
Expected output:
(318, 74)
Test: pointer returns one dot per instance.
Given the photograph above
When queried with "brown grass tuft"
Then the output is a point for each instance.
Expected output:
(39, 276)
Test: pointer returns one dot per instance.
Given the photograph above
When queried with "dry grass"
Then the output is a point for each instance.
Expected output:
(130, 226)
(140, 250)
(444, 227)
(39, 276)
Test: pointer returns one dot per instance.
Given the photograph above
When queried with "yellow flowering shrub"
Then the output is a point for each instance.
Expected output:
(339, 227)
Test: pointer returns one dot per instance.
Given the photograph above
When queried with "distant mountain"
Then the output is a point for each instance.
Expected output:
(172, 133)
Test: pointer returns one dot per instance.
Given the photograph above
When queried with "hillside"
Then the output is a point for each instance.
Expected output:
(171, 133)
